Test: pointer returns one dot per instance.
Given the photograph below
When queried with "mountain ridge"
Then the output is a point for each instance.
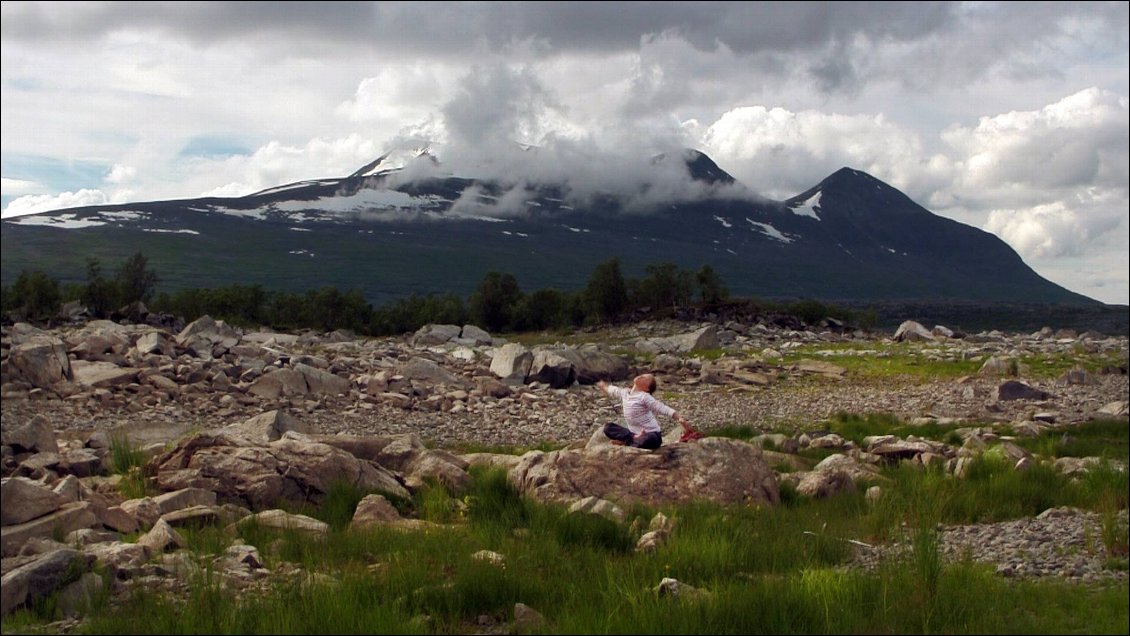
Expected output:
(849, 237)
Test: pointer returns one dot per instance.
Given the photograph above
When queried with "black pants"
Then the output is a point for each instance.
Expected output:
(617, 432)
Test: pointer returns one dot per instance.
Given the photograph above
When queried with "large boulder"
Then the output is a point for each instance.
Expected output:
(592, 365)
(552, 368)
(279, 383)
(1017, 390)
(41, 360)
(432, 334)
(268, 427)
(102, 375)
(154, 342)
(68, 517)
(407, 455)
(323, 382)
(258, 476)
(821, 484)
(512, 362)
(475, 336)
(22, 499)
(33, 436)
(699, 339)
(428, 371)
(911, 331)
(207, 338)
(40, 577)
(714, 468)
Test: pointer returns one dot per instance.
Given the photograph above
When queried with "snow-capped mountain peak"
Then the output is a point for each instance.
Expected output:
(399, 158)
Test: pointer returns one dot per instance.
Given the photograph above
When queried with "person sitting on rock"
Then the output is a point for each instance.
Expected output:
(640, 408)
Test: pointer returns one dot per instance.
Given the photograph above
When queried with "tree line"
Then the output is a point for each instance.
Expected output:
(498, 303)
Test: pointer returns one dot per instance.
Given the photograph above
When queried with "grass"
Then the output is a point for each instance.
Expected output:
(921, 361)
(735, 431)
(129, 461)
(856, 428)
(776, 569)
(467, 447)
(1103, 437)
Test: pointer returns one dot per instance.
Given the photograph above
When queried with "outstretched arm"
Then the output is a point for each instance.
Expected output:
(660, 408)
(680, 419)
(602, 386)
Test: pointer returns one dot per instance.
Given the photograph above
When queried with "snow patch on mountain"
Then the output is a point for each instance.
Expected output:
(398, 159)
(124, 215)
(470, 217)
(809, 207)
(365, 201)
(156, 230)
(295, 186)
(770, 231)
(62, 221)
(257, 214)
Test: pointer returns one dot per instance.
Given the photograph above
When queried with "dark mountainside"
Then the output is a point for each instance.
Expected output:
(851, 239)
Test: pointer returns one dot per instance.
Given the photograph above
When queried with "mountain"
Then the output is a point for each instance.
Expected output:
(400, 226)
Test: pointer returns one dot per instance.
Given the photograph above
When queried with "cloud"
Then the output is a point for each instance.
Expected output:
(1044, 230)
(32, 203)
(19, 187)
(1091, 220)
(441, 28)
(399, 93)
(497, 104)
(1079, 141)
(121, 174)
(1055, 179)
(277, 164)
(781, 153)
(503, 124)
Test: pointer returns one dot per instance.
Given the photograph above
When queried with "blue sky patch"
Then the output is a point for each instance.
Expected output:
(54, 175)
(213, 147)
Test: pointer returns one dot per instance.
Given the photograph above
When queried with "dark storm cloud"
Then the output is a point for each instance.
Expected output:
(494, 130)
(426, 27)
(832, 43)
(496, 103)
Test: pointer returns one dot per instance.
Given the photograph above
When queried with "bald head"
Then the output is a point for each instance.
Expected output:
(645, 382)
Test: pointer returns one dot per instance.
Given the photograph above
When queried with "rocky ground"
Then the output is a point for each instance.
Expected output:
(182, 384)
(785, 398)
(562, 416)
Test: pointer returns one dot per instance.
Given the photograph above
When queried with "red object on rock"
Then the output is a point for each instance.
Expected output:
(690, 434)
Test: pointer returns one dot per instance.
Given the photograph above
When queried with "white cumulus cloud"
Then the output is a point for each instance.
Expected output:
(18, 187)
(1079, 141)
(121, 174)
(32, 203)
(781, 153)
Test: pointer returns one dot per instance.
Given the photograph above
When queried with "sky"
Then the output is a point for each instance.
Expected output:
(1011, 117)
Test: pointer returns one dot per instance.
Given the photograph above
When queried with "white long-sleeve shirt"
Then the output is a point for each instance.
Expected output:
(640, 409)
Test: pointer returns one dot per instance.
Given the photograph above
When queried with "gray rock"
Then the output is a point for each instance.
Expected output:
(910, 331)
(1017, 390)
(512, 360)
(433, 334)
(39, 578)
(35, 435)
(22, 499)
(42, 361)
(714, 468)
(269, 426)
